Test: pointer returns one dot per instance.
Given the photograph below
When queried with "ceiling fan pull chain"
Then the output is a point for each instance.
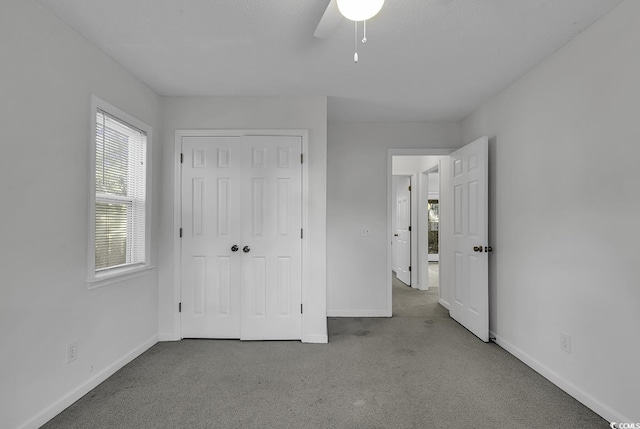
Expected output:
(355, 55)
(364, 38)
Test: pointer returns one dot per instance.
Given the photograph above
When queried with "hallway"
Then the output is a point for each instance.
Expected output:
(408, 301)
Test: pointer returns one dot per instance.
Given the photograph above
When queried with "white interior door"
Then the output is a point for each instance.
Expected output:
(469, 171)
(241, 244)
(394, 223)
(271, 238)
(403, 232)
(211, 205)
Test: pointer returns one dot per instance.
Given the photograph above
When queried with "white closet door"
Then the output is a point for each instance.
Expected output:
(241, 244)
(211, 190)
(271, 229)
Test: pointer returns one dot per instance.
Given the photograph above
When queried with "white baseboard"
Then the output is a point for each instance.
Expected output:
(170, 336)
(71, 397)
(586, 399)
(358, 313)
(316, 339)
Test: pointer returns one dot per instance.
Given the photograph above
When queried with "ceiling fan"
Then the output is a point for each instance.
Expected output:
(353, 10)
(329, 21)
(332, 18)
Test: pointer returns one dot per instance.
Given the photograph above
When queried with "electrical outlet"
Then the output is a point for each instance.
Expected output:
(72, 351)
(565, 342)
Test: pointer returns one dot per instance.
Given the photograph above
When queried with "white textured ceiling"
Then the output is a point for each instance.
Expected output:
(424, 59)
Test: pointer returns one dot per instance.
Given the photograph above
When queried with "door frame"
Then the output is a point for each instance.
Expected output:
(423, 239)
(177, 211)
(391, 152)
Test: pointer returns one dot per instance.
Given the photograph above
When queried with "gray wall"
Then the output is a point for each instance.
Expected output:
(47, 77)
(564, 214)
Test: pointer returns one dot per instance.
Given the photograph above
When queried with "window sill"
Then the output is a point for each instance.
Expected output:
(118, 275)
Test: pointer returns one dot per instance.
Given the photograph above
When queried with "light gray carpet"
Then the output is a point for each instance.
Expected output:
(412, 302)
(419, 369)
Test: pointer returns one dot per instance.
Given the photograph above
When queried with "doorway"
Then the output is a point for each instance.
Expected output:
(463, 232)
(431, 178)
(424, 168)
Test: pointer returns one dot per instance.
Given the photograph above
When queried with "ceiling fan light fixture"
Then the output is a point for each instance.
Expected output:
(359, 10)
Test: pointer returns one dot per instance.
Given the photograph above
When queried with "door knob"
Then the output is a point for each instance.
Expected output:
(234, 248)
(246, 249)
(477, 248)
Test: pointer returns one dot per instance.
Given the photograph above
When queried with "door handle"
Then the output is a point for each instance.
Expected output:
(477, 248)
(488, 249)
(246, 249)
(234, 248)
(395, 235)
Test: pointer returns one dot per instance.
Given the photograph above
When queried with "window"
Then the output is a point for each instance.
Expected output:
(119, 197)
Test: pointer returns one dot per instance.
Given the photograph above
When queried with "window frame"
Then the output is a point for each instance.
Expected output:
(107, 276)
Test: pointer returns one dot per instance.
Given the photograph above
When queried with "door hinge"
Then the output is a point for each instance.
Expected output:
(301, 158)
(409, 268)
(179, 307)
(409, 188)
(409, 228)
(300, 308)
(181, 158)
(180, 232)
(301, 233)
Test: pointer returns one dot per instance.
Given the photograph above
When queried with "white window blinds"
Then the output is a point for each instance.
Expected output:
(121, 154)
